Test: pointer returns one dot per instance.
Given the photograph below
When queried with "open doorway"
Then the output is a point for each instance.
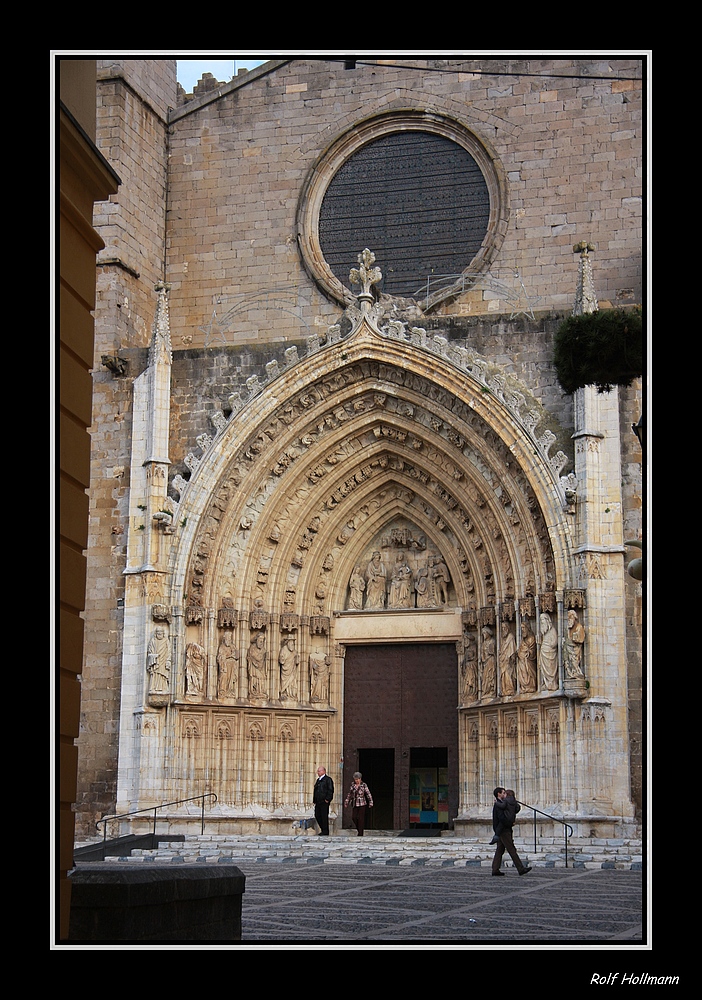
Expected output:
(400, 715)
(378, 769)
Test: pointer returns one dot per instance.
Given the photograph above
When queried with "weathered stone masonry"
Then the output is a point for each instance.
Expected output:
(296, 434)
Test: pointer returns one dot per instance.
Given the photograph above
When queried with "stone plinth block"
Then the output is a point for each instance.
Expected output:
(122, 902)
(575, 687)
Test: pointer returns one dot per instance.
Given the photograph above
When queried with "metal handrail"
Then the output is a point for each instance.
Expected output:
(566, 827)
(163, 805)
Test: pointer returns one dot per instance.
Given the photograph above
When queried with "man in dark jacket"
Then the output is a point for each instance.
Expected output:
(322, 796)
(504, 813)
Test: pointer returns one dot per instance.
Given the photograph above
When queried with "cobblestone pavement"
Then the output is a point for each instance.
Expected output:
(424, 906)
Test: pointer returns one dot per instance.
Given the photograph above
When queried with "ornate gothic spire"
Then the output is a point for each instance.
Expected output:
(585, 298)
(158, 378)
(160, 349)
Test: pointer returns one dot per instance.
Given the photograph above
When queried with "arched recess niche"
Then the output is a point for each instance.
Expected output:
(354, 438)
(340, 152)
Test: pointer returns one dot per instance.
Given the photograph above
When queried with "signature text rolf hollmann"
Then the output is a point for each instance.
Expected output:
(633, 979)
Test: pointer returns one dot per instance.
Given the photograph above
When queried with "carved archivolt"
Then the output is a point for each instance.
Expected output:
(450, 469)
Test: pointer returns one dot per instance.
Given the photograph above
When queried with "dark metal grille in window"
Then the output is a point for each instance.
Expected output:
(417, 200)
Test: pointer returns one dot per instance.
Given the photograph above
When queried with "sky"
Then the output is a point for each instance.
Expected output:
(190, 71)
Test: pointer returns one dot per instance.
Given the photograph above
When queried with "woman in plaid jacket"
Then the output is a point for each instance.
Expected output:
(359, 797)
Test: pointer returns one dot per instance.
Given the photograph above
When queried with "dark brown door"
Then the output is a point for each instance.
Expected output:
(397, 698)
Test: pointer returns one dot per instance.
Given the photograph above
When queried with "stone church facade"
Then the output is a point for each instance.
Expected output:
(341, 512)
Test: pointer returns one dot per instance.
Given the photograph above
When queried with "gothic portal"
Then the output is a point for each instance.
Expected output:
(378, 492)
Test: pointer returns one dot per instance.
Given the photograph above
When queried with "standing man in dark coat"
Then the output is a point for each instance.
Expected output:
(504, 813)
(322, 796)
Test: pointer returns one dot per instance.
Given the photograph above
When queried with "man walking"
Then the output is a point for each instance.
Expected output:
(322, 796)
(504, 813)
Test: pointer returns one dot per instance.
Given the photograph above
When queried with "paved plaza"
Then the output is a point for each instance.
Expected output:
(288, 904)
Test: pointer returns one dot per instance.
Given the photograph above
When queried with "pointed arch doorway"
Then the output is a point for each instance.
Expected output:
(401, 732)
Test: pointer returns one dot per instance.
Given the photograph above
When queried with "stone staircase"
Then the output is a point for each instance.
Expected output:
(387, 849)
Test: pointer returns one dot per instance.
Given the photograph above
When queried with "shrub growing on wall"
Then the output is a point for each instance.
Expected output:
(599, 348)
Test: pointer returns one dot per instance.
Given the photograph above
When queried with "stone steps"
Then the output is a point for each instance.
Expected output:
(389, 850)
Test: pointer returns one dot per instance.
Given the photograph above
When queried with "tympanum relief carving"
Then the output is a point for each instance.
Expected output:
(402, 573)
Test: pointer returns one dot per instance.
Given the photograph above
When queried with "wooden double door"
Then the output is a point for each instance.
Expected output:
(401, 733)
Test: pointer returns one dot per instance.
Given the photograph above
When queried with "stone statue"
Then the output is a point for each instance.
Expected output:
(548, 654)
(319, 678)
(440, 581)
(488, 664)
(375, 583)
(194, 668)
(574, 646)
(289, 661)
(508, 661)
(422, 586)
(356, 586)
(227, 667)
(158, 662)
(469, 668)
(401, 584)
(526, 660)
(256, 668)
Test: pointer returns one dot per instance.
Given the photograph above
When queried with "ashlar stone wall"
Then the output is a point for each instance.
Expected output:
(211, 199)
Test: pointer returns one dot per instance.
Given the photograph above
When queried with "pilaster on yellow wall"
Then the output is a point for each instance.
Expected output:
(84, 178)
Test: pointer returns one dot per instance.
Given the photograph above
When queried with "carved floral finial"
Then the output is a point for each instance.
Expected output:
(365, 274)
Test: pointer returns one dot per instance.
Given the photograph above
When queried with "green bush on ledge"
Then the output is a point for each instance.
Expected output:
(603, 349)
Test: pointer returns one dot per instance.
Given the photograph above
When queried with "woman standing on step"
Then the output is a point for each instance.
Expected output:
(359, 797)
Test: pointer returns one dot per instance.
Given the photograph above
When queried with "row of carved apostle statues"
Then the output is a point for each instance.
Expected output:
(490, 668)
(159, 664)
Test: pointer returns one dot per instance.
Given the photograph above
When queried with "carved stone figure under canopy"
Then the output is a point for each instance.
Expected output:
(526, 660)
(319, 678)
(422, 586)
(574, 642)
(194, 668)
(440, 579)
(289, 661)
(400, 595)
(548, 654)
(256, 668)
(508, 661)
(488, 663)
(158, 661)
(376, 576)
(356, 587)
(227, 667)
(469, 668)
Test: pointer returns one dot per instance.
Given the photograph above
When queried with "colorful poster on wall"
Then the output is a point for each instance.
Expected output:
(429, 792)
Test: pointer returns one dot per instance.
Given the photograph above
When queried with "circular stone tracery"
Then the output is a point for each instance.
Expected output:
(384, 184)
(420, 200)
